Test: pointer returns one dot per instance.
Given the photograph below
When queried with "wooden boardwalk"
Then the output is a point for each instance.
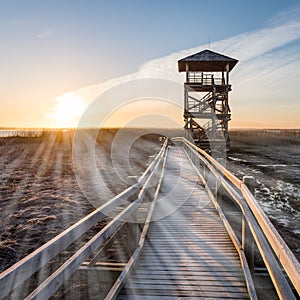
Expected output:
(188, 252)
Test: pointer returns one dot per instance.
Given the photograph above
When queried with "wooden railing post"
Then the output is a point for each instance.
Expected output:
(249, 181)
(247, 238)
(206, 171)
(220, 160)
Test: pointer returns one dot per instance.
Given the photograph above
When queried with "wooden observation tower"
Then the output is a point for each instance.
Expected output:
(206, 107)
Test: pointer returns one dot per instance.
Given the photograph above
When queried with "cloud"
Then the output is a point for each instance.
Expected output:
(287, 15)
(45, 34)
(267, 74)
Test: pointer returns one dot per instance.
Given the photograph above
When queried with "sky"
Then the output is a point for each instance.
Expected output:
(59, 58)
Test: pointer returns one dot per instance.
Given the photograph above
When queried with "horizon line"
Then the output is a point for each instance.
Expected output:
(135, 127)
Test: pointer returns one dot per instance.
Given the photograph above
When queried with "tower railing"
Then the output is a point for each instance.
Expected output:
(204, 79)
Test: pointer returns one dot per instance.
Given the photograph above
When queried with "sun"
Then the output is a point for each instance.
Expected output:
(67, 111)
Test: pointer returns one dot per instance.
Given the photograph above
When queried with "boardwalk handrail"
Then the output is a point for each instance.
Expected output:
(260, 226)
(26, 267)
(112, 294)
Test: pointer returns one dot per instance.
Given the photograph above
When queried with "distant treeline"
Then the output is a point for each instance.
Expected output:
(103, 135)
(262, 137)
(21, 132)
(12, 132)
(265, 137)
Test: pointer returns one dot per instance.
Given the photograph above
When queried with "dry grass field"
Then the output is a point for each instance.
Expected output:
(39, 193)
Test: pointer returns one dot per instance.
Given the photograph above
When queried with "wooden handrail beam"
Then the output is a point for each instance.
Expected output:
(251, 208)
(53, 282)
(22, 270)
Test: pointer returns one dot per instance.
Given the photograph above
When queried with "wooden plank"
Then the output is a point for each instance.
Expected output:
(197, 241)
(197, 280)
(196, 267)
(103, 268)
(190, 293)
(205, 272)
(157, 243)
(190, 258)
(185, 227)
(190, 246)
(201, 233)
(190, 282)
(185, 264)
(186, 231)
(205, 243)
(192, 269)
(193, 253)
(178, 286)
(143, 297)
(106, 264)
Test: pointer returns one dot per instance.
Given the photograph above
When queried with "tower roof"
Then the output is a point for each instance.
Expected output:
(206, 61)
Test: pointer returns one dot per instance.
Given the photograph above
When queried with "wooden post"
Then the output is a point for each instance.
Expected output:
(248, 244)
(249, 181)
(227, 74)
(247, 238)
(187, 72)
(185, 101)
(221, 161)
(204, 171)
